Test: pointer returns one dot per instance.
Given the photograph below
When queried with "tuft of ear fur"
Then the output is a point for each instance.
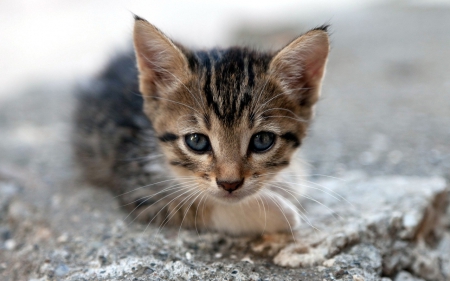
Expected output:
(161, 64)
(300, 66)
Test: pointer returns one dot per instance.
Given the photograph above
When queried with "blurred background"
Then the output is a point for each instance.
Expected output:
(385, 107)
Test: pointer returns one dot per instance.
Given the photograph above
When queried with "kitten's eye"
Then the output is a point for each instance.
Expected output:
(262, 141)
(197, 142)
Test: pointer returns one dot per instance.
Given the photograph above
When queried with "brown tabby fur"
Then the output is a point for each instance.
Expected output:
(228, 95)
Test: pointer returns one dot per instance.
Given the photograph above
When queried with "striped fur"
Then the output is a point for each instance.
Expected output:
(228, 96)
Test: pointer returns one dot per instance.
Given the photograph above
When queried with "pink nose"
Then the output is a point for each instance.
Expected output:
(230, 186)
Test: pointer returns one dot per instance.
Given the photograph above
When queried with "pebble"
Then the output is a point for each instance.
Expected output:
(63, 238)
(188, 256)
(358, 278)
(10, 244)
(411, 219)
(328, 263)
(61, 270)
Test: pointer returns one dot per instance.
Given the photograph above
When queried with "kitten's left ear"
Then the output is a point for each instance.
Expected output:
(300, 66)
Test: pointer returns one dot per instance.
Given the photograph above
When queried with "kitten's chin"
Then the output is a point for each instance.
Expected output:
(231, 198)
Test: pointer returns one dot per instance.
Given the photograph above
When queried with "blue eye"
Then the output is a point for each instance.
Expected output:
(197, 142)
(262, 141)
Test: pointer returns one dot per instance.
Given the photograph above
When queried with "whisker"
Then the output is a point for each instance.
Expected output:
(185, 213)
(180, 103)
(161, 98)
(289, 191)
(144, 186)
(196, 211)
(297, 210)
(293, 174)
(311, 187)
(326, 176)
(265, 214)
(170, 194)
(332, 191)
(284, 215)
(161, 191)
(203, 211)
(176, 78)
(264, 104)
(316, 201)
(148, 224)
(183, 128)
(260, 94)
(259, 206)
(282, 109)
(274, 97)
(305, 163)
(339, 197)
(322, 188)
(176, 210)
(303, 216)
(281, 116)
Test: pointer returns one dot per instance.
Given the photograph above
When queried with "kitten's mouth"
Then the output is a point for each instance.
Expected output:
(232, 197)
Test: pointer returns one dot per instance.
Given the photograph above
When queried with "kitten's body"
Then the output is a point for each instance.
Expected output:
(227, 97)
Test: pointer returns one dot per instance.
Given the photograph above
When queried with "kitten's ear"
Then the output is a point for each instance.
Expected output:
(161, 63)
(300, 66)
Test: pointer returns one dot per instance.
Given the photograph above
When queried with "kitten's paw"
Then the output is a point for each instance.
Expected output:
(299, 255)
(271, 244)
(283, 215)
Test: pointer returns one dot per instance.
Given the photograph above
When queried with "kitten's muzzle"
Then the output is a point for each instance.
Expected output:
(230, 186)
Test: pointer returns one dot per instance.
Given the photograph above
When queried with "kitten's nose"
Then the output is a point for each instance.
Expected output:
(230, 186)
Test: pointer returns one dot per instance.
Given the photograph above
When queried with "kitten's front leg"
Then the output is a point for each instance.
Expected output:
(262, 213)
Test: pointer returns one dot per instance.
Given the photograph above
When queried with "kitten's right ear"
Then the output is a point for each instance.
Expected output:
(300, 66)
(161, 63)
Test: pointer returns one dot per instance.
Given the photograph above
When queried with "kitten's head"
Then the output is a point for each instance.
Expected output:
(229, 119)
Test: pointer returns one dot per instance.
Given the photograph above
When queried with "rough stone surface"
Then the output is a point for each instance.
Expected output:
(385, 112)
(377, 227)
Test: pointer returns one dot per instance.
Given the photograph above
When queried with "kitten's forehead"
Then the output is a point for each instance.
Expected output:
(228, 80)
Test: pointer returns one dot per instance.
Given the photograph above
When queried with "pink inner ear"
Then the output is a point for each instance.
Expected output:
(303, 61)
(159, 60)
(314, 55)
(314, 70)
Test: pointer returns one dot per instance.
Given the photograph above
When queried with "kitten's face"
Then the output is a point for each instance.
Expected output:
(229, 136)
(229, 120)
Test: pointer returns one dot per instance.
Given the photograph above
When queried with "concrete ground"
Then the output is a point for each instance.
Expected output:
(385, 110)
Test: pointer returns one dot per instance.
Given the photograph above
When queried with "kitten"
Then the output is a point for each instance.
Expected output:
(203, 139)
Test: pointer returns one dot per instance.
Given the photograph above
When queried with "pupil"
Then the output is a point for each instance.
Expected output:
(263, 141)
(197, 142)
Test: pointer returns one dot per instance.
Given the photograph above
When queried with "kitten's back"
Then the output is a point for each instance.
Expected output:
(109, 121)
